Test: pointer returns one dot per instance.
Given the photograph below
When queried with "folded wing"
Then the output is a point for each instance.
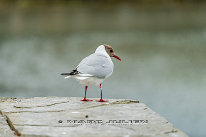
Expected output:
(97, 65)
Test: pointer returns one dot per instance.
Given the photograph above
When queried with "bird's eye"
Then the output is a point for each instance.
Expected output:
(111, 50)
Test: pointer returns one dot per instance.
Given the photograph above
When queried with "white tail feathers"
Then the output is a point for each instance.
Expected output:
(85, 75)
(81, 78)
(67, 77)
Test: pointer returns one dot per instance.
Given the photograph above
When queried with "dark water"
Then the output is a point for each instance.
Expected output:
(163, 56)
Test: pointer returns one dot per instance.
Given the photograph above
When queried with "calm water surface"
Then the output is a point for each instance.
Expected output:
(165, 70)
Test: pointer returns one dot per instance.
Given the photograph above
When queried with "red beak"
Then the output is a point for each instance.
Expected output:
(115, 56)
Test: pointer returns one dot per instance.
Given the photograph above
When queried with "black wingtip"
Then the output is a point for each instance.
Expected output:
(65, 74)
(74, 72)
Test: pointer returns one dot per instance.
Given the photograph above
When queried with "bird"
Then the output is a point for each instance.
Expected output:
(94, 69)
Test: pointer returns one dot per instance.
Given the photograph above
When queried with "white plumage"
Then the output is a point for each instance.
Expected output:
(95, 68)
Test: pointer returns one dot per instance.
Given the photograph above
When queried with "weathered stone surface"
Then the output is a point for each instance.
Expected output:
(5, 130)
(54, 116)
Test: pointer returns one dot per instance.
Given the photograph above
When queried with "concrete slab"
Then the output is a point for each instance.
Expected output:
(68, 116)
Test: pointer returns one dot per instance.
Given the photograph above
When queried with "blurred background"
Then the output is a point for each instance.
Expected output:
(162, 44)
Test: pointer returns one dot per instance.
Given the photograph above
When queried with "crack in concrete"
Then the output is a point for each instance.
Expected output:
(172, 131)
(42, 105)
(46, 125)
(33, 111)
(116, 102)
(16, 132)
(1, 113)
(9, 123)
(113, 103)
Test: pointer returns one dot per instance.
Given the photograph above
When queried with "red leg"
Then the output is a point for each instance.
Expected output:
(101, 100)
(85, 95)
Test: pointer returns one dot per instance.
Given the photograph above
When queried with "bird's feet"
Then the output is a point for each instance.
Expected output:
(101, 100)
(85, 99)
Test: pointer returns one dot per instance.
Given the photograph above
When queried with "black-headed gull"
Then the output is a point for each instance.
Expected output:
(95, 68)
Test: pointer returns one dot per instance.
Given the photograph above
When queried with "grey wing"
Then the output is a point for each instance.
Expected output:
(97, 65)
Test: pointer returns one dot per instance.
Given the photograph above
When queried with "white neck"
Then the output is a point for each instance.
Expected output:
(101, 49)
